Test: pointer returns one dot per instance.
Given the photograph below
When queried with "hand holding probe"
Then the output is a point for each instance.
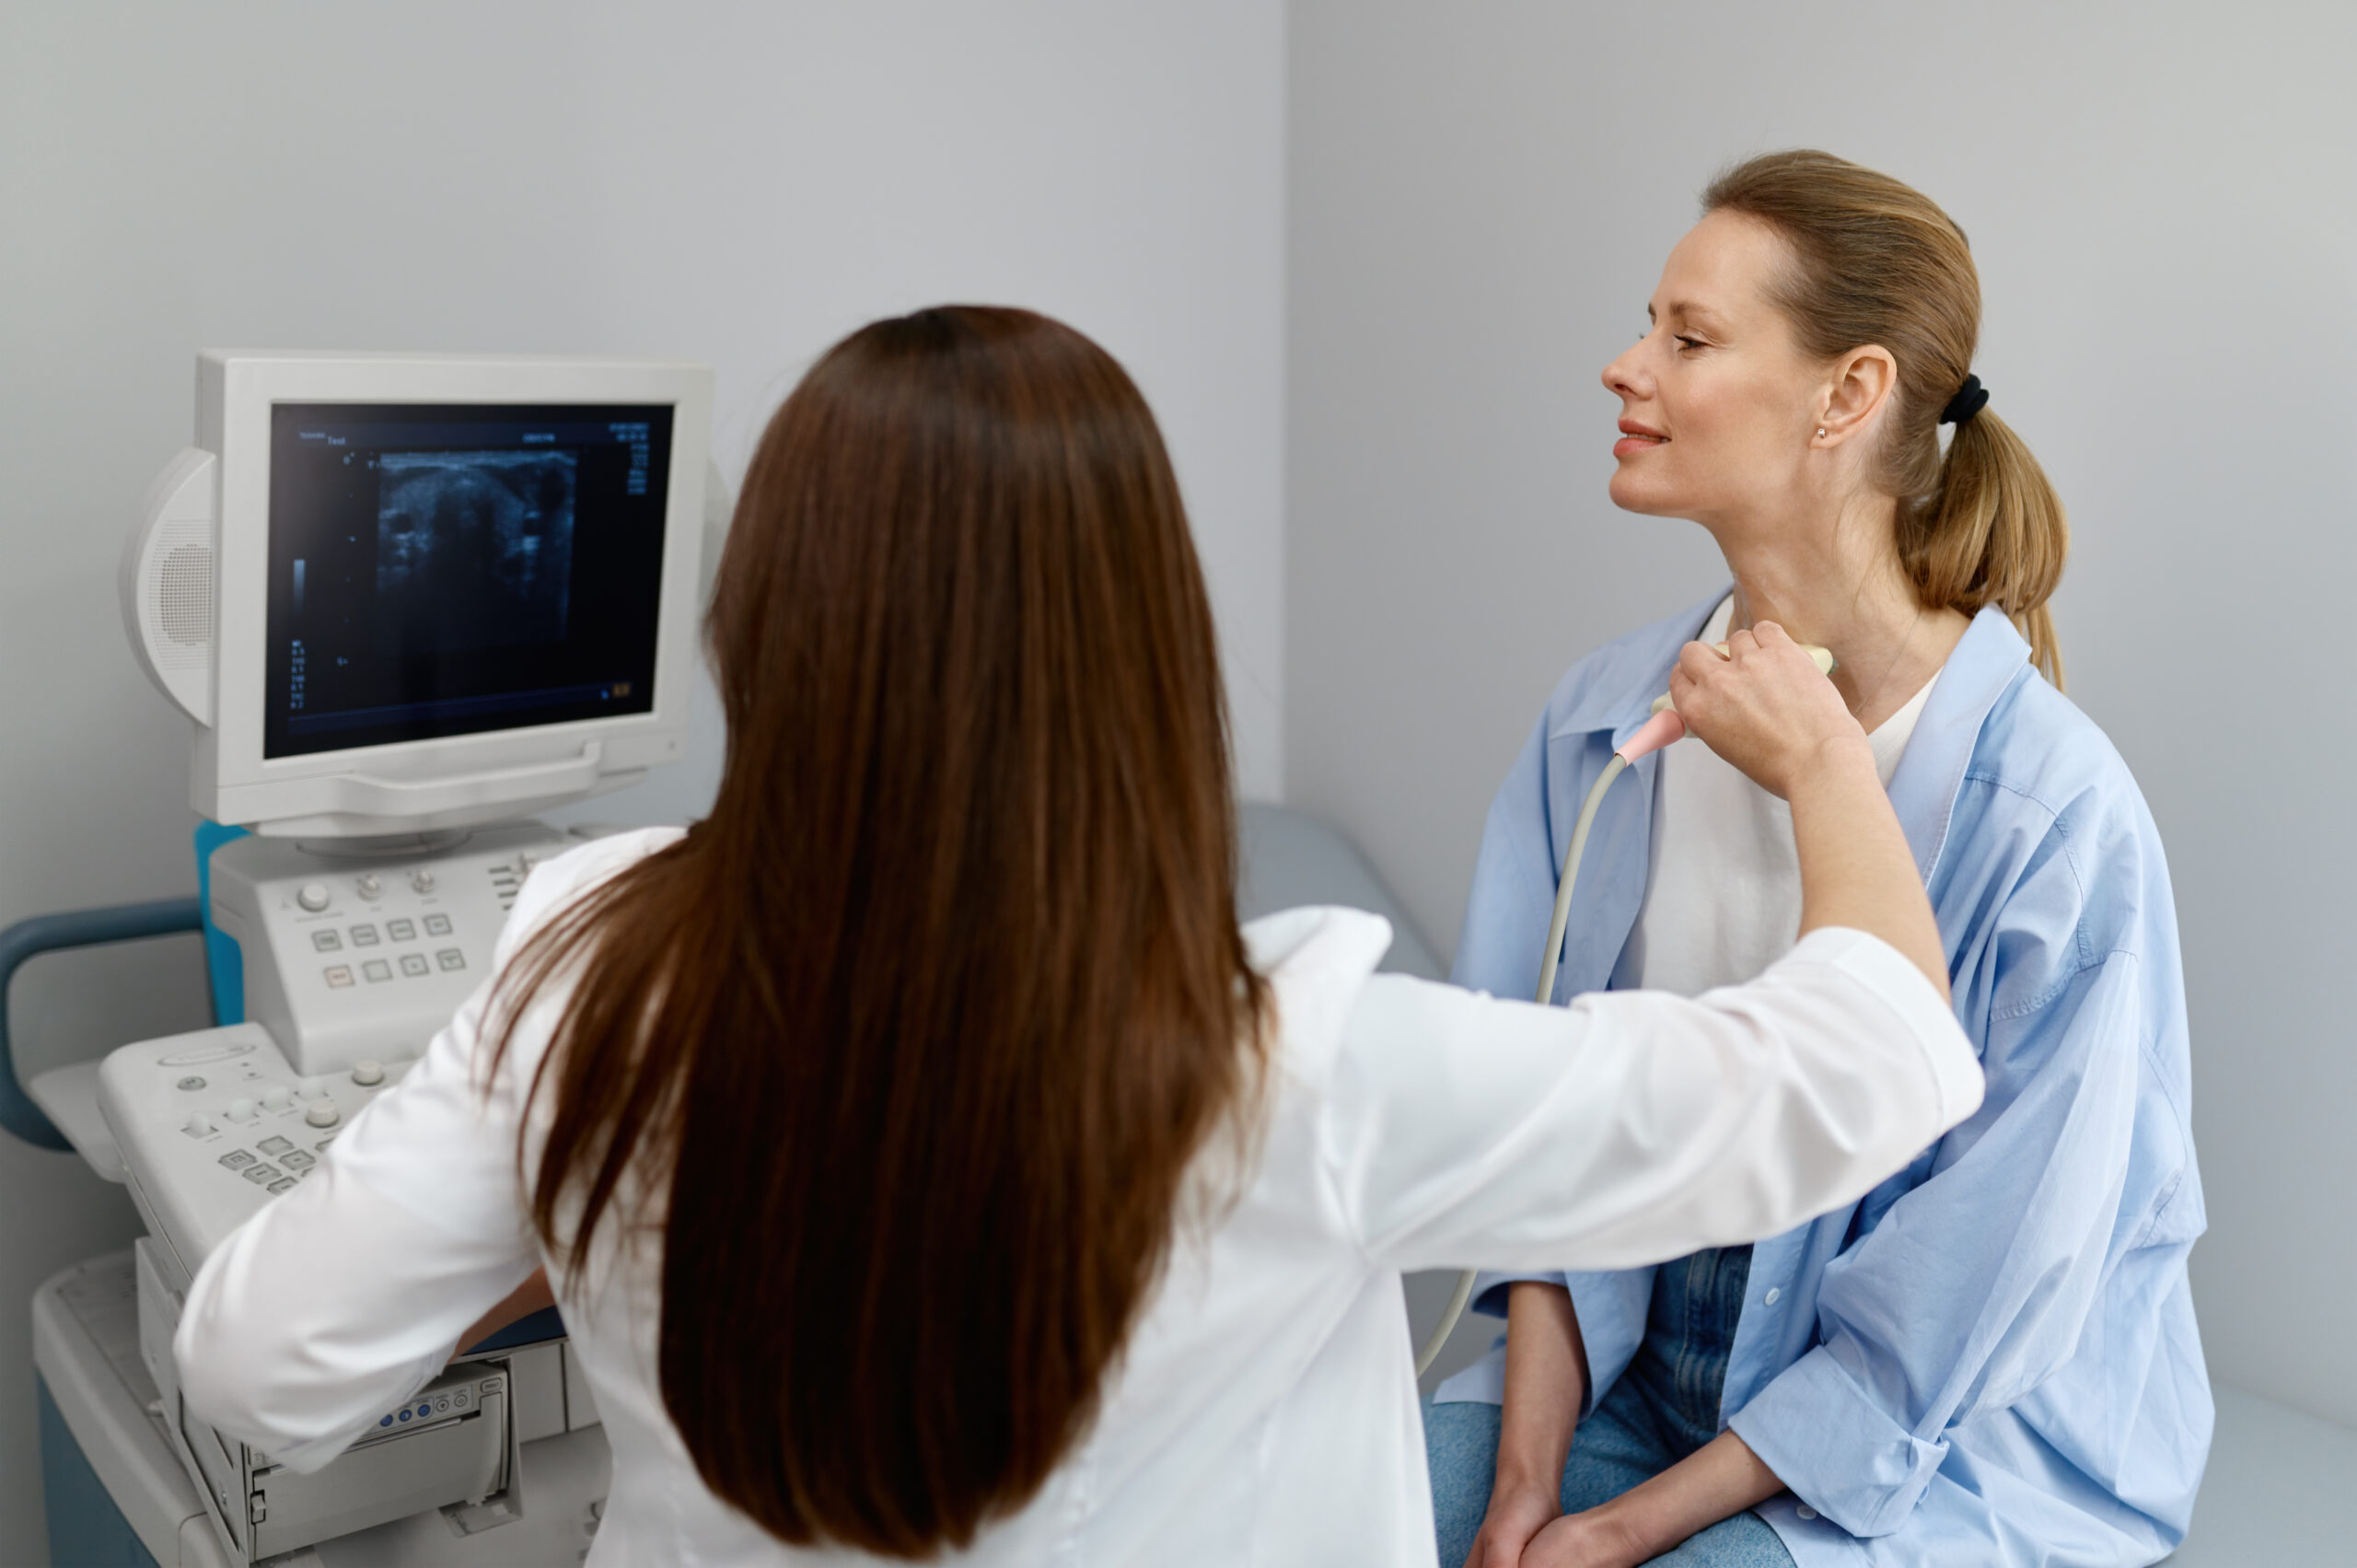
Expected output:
(1665, 728)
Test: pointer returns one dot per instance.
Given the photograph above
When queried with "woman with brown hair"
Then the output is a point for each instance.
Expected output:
(924, 1159)
(1991, 1358)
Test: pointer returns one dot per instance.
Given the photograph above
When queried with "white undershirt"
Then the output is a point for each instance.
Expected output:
(1723, 896)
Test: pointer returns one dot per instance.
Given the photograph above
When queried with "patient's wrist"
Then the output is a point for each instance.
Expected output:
(1524, 1476)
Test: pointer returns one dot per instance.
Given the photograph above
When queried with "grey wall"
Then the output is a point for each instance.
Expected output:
(2160, 197)
(739, 183)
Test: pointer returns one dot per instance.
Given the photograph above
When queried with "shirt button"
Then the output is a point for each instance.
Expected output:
(1806, 1512)
(1774, 1296)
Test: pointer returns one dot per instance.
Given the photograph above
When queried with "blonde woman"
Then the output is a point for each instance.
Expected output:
(1991, 1358)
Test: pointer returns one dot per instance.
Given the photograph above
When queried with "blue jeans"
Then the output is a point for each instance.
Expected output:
(1664, 1407)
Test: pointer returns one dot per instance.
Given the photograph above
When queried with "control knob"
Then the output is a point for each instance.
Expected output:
(368, 1072)
(242, 1111)
(198, 1125)
(322, 1113)
(422, 879)
(313, 897)
(370, 887)
(277, 1097)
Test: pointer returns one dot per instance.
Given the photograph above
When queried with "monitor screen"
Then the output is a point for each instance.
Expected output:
(447, 569)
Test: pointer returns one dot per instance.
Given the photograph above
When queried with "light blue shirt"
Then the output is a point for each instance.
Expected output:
(1992, 1357)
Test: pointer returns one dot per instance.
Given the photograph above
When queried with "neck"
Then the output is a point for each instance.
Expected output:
(1833, 579)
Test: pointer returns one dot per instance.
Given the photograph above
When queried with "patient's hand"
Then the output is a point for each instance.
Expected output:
(1596, 1538)
(1763, 706)
(1514, 1518)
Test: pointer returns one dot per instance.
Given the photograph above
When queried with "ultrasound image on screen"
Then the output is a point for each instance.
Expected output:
(451, 569)
(474, 550)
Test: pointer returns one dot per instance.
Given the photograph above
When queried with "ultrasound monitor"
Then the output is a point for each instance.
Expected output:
(443, 589)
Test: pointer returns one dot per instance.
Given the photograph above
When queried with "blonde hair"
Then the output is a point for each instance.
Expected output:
(1878, 262)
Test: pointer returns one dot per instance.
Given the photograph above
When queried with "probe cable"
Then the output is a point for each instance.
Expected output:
(1546, 967)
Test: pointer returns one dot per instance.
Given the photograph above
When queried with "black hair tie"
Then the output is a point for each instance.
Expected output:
(1969, 399)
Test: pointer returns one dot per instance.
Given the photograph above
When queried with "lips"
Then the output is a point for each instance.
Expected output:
(1636, 437)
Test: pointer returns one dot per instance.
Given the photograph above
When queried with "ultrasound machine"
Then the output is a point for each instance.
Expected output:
(409, 601)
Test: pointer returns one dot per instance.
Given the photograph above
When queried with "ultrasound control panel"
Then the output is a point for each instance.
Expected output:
(215, 1124)
(349, 958)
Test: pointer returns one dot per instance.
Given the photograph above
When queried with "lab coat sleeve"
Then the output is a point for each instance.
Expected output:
(1633, 1126)
(349, 1293)
(1979, 1283)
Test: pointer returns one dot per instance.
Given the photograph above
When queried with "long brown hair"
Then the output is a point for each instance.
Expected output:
(921, 1031)
(1878, 262)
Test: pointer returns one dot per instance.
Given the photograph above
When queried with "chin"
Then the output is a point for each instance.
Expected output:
(1632, 495)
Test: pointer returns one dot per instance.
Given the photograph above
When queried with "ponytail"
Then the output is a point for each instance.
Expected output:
(1878, 262)
(1993, 533)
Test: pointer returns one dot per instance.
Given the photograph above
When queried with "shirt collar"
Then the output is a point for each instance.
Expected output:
(1985, 665)
(1619, 696)
(1991, 656)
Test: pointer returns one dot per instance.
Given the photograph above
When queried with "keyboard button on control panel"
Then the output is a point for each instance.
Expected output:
(237, 1160)
(402, 930)
(414, 964)
(437, 926)
(451, 959)
(274, 1146)
(376, 970)
(261, 1175)
(363, 936)
(327, 941)
(338, 976)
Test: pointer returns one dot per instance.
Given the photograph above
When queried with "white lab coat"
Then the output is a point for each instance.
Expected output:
(1265, 1411)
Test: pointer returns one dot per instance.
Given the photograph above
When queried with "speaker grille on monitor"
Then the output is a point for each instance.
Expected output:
(183, 599)
(184, 594)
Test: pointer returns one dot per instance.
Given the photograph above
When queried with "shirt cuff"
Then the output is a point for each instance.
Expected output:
(1907, 991)
(1490, 1289)
(1835, 1448)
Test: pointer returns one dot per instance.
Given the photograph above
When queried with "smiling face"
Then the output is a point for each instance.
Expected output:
(1718, 404)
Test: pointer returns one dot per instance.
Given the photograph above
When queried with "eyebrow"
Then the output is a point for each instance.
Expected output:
(1687, 308)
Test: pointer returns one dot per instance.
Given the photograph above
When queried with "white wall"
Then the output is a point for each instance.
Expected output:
(739, 183)
(2160, 200)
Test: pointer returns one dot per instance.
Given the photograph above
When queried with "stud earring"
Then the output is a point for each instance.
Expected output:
(1820, 433)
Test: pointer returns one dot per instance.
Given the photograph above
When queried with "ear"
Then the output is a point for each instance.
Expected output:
(1855, 394)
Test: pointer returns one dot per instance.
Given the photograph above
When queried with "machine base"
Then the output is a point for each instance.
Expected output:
(119, 1498)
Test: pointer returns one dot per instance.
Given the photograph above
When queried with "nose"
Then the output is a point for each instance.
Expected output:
(1624, 377)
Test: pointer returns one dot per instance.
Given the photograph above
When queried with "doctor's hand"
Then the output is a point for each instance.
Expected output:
(1764, 708)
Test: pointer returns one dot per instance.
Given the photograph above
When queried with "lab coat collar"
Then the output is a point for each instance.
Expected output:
(1618, 695)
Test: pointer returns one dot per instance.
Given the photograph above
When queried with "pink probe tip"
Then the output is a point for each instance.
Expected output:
(1663, 728)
